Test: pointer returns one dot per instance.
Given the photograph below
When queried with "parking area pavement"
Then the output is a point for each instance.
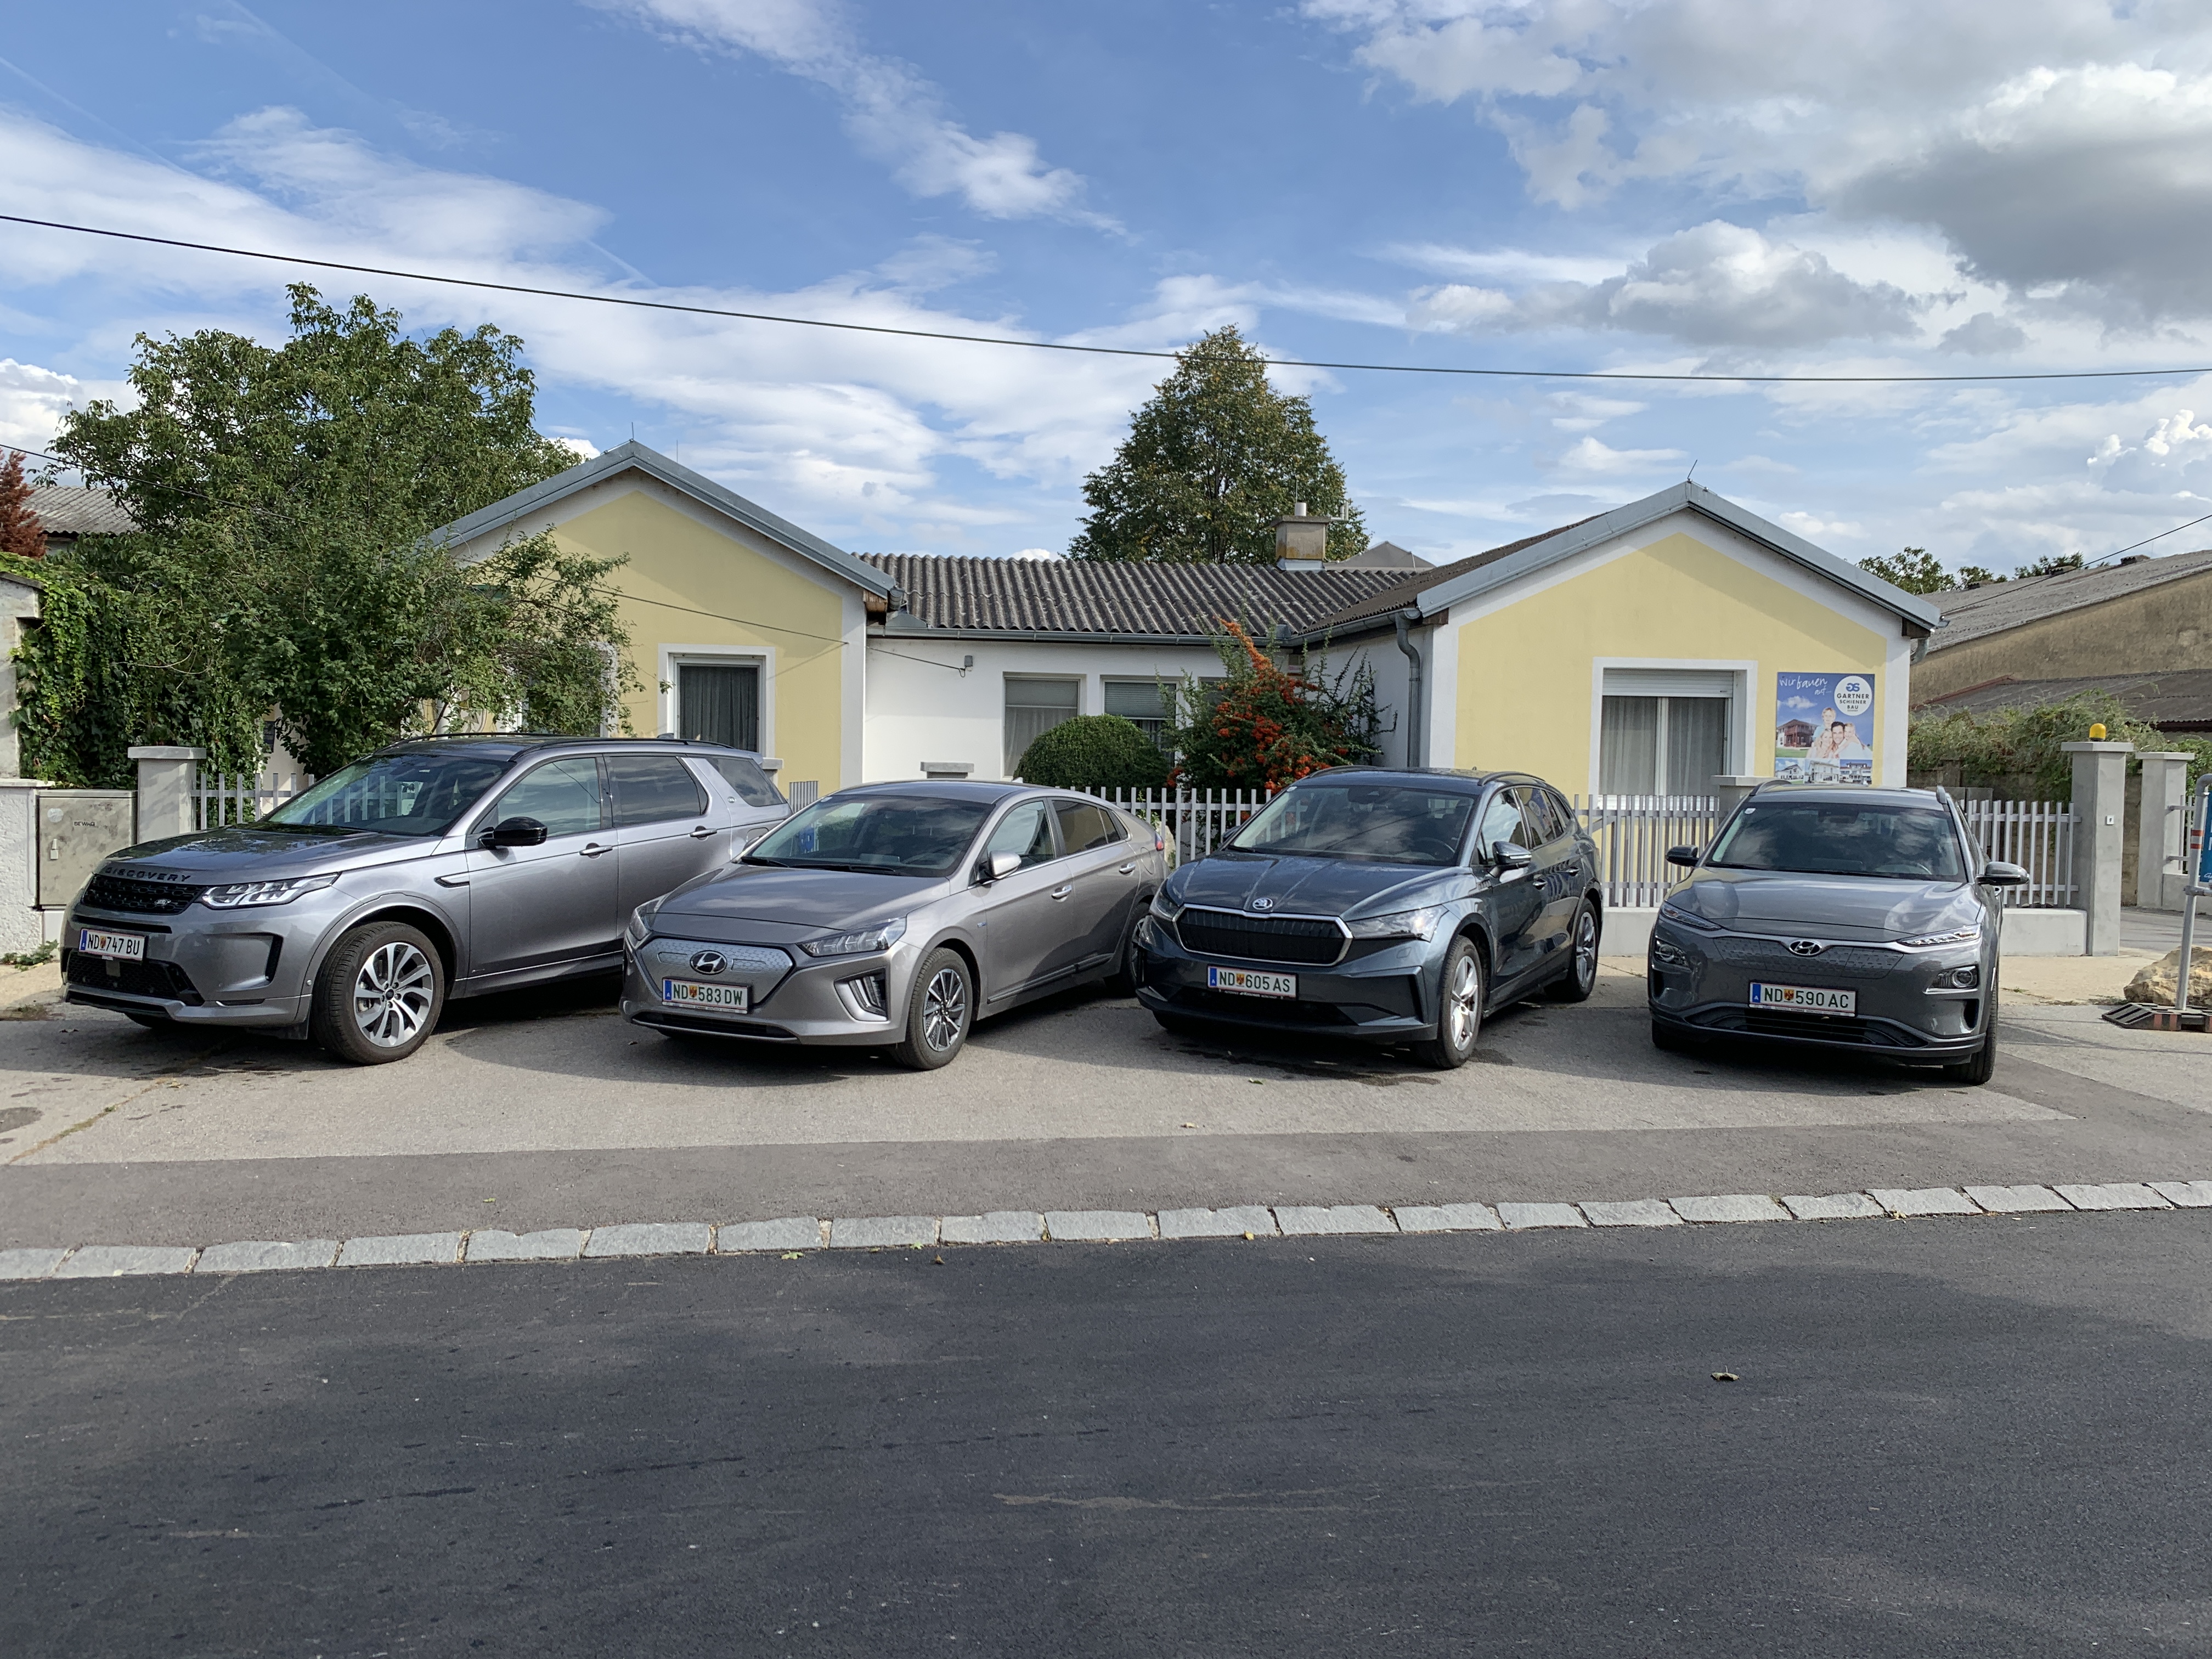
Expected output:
(545, 1110)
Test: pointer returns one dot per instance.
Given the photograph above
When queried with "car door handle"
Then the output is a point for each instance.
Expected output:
(1062, 890)
(451, 881)
(1127, 868)
(593, 850)
(702, 832)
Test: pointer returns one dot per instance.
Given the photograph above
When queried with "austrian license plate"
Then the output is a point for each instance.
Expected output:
(691, 993)
(1251, 984)
(124, 947)
(1804, 999)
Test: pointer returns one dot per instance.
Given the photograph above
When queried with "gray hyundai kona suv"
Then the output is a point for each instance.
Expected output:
(443, 868)
(897, 915)
(1393, 907)
(1855, 920)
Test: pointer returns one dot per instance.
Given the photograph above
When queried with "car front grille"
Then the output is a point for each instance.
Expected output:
(135, 898)
(164, 980)
(1819, 1028)
(1764, 955)
(1306, 939)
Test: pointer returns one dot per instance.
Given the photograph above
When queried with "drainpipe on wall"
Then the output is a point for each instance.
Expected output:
(1416, 754)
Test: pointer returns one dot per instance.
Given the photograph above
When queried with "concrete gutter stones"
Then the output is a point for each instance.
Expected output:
(794, 1234)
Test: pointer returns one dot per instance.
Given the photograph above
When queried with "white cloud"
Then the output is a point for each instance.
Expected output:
(33, 401)
(2048, 142)
(1589, 458)
(895, 115)
(1984, 334)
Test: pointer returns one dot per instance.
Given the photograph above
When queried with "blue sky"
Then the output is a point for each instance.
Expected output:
(1783, 187)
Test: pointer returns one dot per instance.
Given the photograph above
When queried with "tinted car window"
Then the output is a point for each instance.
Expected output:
(1380, 823)
(751, 784)
(563, 795)
(1567, 822)
(1083, 825)
(896, 835)
(404, 794)
(1025, 833)
(1842, 839)
(652, 789)
(1501, 821)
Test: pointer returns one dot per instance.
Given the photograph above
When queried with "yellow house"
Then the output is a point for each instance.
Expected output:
(1646, 651)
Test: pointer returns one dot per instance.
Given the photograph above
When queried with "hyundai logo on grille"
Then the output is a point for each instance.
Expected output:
(709, 962)
(1806, 947)
(1263, 904)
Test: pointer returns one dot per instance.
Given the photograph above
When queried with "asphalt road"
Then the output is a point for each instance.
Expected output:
(545, 1109)
(1963, 1439)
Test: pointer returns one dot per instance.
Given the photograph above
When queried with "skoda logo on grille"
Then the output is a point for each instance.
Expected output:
(709, 962)
(1263, 904)
(1806, 947)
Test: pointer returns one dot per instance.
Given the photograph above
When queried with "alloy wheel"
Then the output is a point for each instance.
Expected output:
(944, 1008)
(1459, 997)
(1585, 947)
(392, 994)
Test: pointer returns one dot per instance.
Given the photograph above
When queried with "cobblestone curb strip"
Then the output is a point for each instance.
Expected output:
(806, 1232)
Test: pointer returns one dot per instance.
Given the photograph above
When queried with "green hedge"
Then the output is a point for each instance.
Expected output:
(1094, 751)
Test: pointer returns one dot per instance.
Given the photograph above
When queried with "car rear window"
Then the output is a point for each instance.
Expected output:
(1086, 824)
(751, 784)
(1842, 838)
(652, 789)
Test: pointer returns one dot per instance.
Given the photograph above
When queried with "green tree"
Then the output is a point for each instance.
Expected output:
(2052, 564)
(1916, 570)
(1212, 460)
(2019, 748)
(283, 497)
(20, 532)
(1094, 751)
(1267, 726)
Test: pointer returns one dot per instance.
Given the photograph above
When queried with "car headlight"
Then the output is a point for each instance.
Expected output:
(1166, 908)
(1968, 978)
(238, 895)
(1668, 956)
(640, 922)
(1399, 924)
(1688, 918)
(1957, 936)
(881, 936)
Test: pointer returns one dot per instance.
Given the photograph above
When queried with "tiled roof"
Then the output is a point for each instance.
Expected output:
(1979, 612)
(1405, 589)
(2180, 701)
(72, 510)
(1080, 596)
(1388, 556)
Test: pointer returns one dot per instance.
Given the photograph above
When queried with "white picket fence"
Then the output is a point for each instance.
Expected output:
(1634, 832)
(218, 800)
(1195, 821)
(2036, 835)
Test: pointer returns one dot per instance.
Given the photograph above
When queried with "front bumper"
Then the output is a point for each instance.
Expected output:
(795, 998)
(228, 969)
(1698, 984)
(1387, 995)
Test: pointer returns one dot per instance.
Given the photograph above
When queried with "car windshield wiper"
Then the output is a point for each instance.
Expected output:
(755, 858)
(306, 828)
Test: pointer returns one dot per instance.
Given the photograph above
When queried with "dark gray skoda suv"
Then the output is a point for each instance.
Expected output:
(1836, 918)
(442, 867)
(1395, 907)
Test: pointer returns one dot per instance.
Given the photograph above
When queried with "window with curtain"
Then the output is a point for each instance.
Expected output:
(1033, 709)
(719, 703)
(1144, 704)
(1662, 745)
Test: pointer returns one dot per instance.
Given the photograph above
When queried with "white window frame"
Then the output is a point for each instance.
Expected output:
(1082, 683)
(1744, 672)
(736, 656)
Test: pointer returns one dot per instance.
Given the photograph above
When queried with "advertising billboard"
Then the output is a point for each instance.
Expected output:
(1824, 729)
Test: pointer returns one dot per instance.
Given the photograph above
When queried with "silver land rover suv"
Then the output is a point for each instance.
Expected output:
(446, 867)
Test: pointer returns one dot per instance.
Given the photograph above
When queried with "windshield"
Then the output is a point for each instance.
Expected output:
(1830, 838)
(1379, 823)
(405, 794)
(898, 834)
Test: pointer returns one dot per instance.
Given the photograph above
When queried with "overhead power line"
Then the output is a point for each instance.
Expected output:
(1096, 351)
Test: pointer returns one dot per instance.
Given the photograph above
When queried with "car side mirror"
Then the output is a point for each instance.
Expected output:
(1684, 856)
(1000, 865)
(515, 832)
(1997, 874)
(1510, 856)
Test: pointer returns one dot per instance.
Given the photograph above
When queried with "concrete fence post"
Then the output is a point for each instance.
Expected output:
(2160, 830)
(2100, 785)
(167, 772)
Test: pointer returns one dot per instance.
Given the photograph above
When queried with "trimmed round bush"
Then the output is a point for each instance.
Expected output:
(1094, 751)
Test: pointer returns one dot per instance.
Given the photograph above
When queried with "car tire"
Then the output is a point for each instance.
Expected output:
(1979, 1067)
(1120, 980)
(1581, 977)
(1458, 1009)
(1670, 1040)
(378, 995)
(940, 1011)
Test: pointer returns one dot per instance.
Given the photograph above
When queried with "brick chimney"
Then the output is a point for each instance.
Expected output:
(1301, 540)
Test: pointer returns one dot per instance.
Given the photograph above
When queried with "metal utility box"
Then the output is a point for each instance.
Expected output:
(77, 829)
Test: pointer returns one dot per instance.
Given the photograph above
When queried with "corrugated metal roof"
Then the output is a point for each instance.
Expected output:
(1978, 612)
(1082, 597)
(73, 510)
(2179, 701)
